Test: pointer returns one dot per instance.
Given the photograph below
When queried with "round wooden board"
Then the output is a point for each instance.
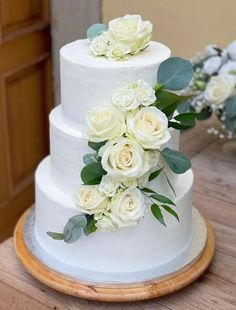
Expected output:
(112, 293)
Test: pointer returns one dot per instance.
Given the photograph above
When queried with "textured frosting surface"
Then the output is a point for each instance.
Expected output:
(87, 81)
(68, 148)
(149, 244)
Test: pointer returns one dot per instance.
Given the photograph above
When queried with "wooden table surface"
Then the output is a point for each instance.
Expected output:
(214, 195)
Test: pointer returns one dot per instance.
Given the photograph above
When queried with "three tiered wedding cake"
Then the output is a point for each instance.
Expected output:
(115, 191)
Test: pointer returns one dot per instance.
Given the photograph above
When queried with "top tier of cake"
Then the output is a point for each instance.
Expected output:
(87, 81)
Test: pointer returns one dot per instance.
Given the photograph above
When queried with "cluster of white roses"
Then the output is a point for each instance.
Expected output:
(134, 131)
(214, 80)
(125, 35)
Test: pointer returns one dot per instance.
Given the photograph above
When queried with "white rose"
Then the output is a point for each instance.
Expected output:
(130, 183)
(228, 68)
(131, 30)
(99, 45)
(128, 207)
(104, 123)
(108, 186)
(219, 89)
(125, 99)
(149, 126)
(231, 50)
(104, 222)
(117, 51)
(143, 181)
(124, 159)
(144, 93)
(89, 200)
(210, 50)
(212, 64)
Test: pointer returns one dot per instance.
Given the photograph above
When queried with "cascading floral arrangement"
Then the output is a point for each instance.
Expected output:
(127, 136)
(213, 88)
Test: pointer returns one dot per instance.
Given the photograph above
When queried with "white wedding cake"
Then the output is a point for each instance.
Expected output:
(117, 204)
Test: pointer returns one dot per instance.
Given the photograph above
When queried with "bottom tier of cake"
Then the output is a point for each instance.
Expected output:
(133, 249)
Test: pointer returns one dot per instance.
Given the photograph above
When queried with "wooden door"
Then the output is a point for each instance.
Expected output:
(25, 101)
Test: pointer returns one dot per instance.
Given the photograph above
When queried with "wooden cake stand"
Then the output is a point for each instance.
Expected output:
(113, 292)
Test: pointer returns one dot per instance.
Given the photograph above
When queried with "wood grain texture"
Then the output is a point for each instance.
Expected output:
(113, 292)
(215, 290)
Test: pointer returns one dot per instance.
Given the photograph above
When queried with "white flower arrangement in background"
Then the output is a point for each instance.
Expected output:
(124, 36)
(214, 87)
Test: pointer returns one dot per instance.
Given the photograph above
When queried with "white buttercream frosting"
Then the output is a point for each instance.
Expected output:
(88, 81)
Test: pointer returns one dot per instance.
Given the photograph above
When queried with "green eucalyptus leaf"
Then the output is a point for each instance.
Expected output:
(184, 107)
(68, 230)
(92, 173)
(177, 161)
(230, 123)
(175, 73)
(79, 220)
(230, 107)
(91, 225)
(155, 174)
(95, 30)
(171, 211)
(75, 234)
(89, 158)
(55, 235)
(156, 211)
(96, 145)
(162, 199)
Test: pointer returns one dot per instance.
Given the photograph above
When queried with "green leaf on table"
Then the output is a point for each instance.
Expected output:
(96, 145)
(177, 161)
(156, 211)
(89, 158)
(155, 174)
(95, 30)
(92, 173)
(171, 211)
(91, 225)
(55, 235)
(175, 73)
(162, 199)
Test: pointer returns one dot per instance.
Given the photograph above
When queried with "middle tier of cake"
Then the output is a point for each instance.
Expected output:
(67, 148)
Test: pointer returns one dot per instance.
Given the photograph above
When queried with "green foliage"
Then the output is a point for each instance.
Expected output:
(169, 101)
(96, 145)
(179, 126)
(89, 158)
(162, 199)
(177, 161)
(169, 183)
(156, 211)
(92, 173)
(155, 174)
(55, 235)
(230, 114)
(175, 73)
(72, 230)
(95, 30)
(91, 225)
(171, 211)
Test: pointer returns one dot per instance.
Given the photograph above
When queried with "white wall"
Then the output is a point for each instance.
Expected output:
(69, 21)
